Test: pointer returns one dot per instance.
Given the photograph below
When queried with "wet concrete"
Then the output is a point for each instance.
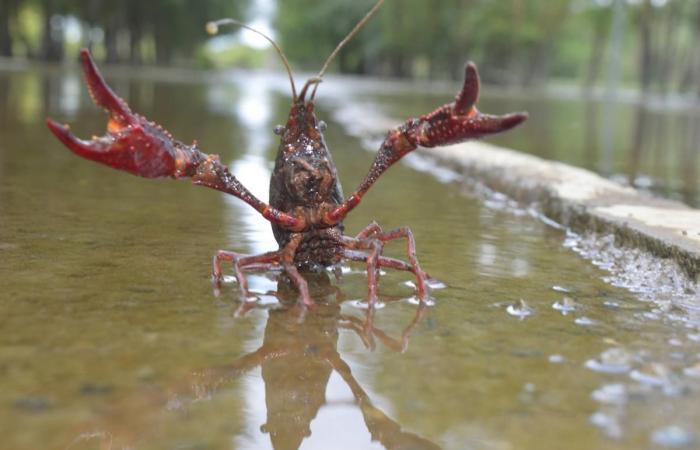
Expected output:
(585, 202)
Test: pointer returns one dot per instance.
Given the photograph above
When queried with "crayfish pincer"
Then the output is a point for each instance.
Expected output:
(307, 205)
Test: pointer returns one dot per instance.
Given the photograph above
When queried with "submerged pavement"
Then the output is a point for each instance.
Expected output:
(613, 216)
(585, 202)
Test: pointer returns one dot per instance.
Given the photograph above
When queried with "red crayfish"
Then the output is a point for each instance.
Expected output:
(306, 206)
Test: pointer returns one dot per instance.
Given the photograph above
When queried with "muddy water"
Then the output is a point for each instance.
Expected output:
(110, 333)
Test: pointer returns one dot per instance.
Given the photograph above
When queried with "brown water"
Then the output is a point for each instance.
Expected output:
(111, 335)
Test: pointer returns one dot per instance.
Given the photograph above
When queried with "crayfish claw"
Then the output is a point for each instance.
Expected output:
(102, 94)
(131, 143)
(77, 146)
(461, 120)
(484, 124)
(467, 97)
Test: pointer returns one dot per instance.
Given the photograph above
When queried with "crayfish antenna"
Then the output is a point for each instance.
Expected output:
(313, 80)
(213, 28)
(342, 43)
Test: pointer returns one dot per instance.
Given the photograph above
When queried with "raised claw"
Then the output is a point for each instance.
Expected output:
(131, 149)
(102, 94)
(461, 120)
(132, 143)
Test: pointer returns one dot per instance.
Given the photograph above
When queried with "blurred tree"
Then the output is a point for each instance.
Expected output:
(8, 9)
(599, 18)
(131, 31)
(52, 30)
(518, 42)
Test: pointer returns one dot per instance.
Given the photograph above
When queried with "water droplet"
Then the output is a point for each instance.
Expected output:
(566, 305)
(654, 374)
(363, 304)
(608, 424)
(556, 359)
(520, 309)
(414, 300)
(585, 321)
(435, 284)
(672, 436)
(229, 279)
(615, 393)
(693, 371)
(268, 300)
(613, 360)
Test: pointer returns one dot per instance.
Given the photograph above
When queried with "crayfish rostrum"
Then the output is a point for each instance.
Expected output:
(306, 206)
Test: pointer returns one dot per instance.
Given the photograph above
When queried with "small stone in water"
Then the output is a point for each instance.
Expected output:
(672, 436)
(520, 309)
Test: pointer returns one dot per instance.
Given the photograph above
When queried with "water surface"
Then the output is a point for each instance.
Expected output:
(110, 332)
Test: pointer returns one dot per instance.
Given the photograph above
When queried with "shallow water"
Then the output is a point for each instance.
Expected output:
(651, 146)
(110, 332)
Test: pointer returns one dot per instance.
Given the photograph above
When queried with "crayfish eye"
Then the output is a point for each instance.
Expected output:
(322, 125)
(279, 130)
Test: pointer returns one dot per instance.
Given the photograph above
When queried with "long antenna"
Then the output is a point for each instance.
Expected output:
(213, 28)
(342, 43)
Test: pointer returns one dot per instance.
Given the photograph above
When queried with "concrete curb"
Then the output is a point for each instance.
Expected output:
(585, 202)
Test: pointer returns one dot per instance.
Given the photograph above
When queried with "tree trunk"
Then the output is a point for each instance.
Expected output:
(135, 21)
(646, 57)
(91, 19)
(595, 58)
(668, 55)
(6, 12)
(111, 43)
(52, 37)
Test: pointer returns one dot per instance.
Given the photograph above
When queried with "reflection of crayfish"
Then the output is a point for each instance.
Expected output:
(307, 206)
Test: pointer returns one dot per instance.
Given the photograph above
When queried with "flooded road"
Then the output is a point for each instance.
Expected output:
(111, 334)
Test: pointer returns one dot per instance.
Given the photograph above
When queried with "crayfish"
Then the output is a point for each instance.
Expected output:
(306, 203)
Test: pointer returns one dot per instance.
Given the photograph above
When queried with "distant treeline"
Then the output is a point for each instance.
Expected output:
(514, 42)
(134, 31)
(522, 42)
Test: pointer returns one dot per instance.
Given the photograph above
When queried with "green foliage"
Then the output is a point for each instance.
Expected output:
(132, 30)
(516, 42)
(521, 42)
